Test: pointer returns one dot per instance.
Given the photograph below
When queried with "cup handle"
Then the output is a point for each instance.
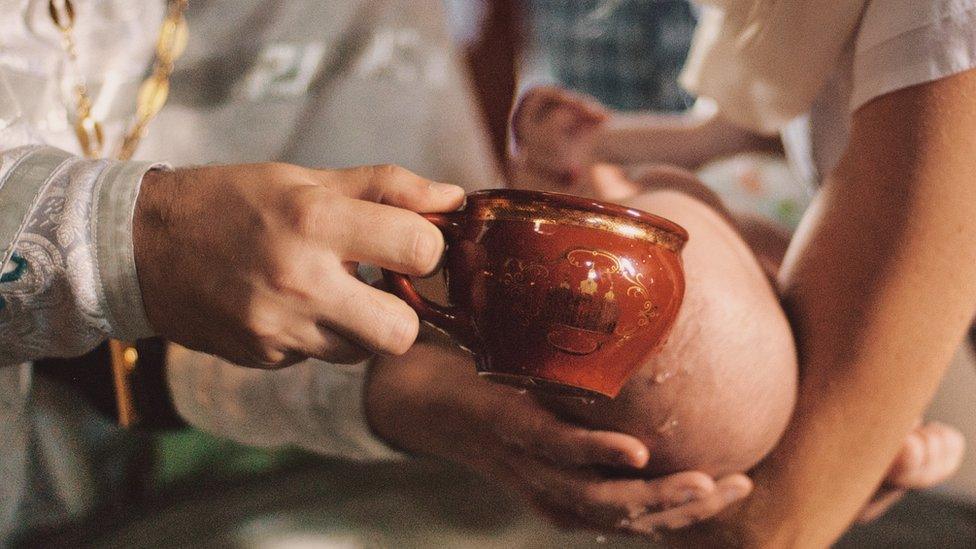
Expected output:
(450, 319)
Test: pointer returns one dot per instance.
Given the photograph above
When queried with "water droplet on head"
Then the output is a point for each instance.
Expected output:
(667, 427)
(661, 377)
(624, 522)
(601, 539)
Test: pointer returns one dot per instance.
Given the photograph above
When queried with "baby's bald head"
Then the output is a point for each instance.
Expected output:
(719, 394)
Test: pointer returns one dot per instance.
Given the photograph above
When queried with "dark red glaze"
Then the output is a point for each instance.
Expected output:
(558, 292)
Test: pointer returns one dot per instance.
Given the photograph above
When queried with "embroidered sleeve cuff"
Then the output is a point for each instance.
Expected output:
(24, 174)
(115, 197)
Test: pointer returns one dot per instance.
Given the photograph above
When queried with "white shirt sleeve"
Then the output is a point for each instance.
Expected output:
(313, 405)
(902, 43)
(67, 269)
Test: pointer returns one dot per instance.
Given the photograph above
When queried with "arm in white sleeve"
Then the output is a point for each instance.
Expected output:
(68, 270)
(313, 405)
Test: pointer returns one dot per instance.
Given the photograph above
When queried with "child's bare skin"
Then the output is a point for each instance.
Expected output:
(720, 392)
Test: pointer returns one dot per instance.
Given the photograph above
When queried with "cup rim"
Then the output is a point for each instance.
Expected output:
(579, 203)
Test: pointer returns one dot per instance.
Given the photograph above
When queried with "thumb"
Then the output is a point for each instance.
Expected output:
(395, 186)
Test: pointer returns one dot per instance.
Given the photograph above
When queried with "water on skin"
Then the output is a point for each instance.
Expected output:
(667, 427)
(661, 377)
(601, 539)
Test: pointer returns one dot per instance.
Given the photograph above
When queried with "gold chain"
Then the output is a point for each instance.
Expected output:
(152, 94)
(91, 137)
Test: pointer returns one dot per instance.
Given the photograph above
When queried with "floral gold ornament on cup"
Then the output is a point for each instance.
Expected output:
(173, 36)
(554, 292)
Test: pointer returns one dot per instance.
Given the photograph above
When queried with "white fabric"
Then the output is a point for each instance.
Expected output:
(61, 303)
(827, 59)
(765, 69)
(763, 61)
(907, 42)
(56, 298)
(312, 405)
(900, 43)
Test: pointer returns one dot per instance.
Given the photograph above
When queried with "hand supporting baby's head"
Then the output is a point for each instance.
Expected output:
(721, 391)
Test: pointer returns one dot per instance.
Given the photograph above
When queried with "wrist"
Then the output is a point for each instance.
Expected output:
(605, 139)
(422, 403)
(756, 526)
(149, 236)
(385, 397)
(377, 405)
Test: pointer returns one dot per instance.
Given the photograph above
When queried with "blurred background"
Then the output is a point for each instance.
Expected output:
(185, 488)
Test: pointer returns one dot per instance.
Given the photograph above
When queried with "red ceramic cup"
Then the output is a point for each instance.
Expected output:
(552, 291)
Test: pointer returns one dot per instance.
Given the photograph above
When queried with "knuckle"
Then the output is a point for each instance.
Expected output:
(576, 450)
(634, 510)
(677, 522)
(592, 493)
(282, 171)
(703, 512)
(562, 492)
(283, 274)
(696, 517)
(289, 271)
(386, 182)
(540, 448)
(265, 353)
(258, 327)
(280, 167)
(392, 326)
(387, 172)
(401, 329)
(305, 211)
(424, 252)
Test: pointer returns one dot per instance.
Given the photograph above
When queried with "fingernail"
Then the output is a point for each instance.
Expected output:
(629, 460)
(733, 493)
(621, 459)
(445, 188)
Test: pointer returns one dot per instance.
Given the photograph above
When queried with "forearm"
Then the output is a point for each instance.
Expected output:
(427, 381)
(686, 140)
(880, 285)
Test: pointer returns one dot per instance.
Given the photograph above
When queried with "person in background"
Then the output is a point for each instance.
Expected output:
(874, 101)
